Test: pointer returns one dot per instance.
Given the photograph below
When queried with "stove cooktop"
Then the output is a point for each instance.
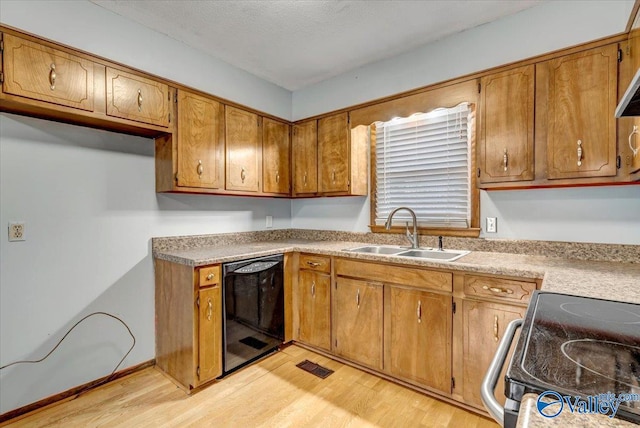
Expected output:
(578, 346)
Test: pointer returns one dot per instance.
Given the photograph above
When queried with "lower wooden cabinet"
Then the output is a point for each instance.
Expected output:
(188, 304)
(357, 321)
(419, 337)
(312, 297)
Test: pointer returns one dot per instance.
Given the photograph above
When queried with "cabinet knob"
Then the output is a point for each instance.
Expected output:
(210, 277)
(52, 76)
(139, 100)
(579, 152)
(200, 168)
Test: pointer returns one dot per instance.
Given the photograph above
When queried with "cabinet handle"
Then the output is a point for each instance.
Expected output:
(498, 290)
(277, 177)
(243, 175)
(579, 152)
(200, 168)
(304, 179)
(495, 328)
(313, 264)
(313, 289)
(633, 148)
(52, 76)
(358, 299)
(505, 160)
(333, 176)
(139, 100)
(209, 309)
(210, 277)
(419, 311)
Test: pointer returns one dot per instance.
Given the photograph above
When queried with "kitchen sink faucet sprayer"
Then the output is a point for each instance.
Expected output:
(413, 238)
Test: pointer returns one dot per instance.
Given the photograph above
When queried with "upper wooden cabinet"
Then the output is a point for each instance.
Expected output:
(505, 151)
(577, 97)
(133, 97)
(304, 158)
(42, 73)
(276, 158)
(243, 150)
(333, 154)
(200, 141)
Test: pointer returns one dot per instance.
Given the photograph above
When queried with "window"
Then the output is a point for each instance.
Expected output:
(423, 162)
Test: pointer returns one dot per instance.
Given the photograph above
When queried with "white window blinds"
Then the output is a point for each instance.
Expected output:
(422, 162)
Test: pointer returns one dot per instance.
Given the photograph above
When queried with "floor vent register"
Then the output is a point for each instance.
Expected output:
(315, 369)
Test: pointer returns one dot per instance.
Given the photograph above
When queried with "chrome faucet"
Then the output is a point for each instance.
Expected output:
(413, 238)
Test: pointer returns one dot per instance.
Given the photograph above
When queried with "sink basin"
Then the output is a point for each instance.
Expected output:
(377, 249)
(444, 255)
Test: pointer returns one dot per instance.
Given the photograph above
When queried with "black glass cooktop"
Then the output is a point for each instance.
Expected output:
(578, 346)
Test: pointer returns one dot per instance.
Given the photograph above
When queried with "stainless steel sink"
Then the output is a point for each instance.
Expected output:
(377, 249)
(443, 255)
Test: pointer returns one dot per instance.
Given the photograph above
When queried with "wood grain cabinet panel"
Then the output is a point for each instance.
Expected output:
(582, 97)
(209, 305)
(313, 296)
(484, 324)
(507, 126)
(276, 158)
(304, 157)
(133, 97)
(357, 321)
(333, 153)
(419, 332)
(200, 141)
(42, 73)
(243, 150)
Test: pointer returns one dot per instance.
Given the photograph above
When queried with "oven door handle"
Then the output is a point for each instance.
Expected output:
(490, 380)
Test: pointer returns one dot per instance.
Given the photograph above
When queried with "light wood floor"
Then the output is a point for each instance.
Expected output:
(271, 393)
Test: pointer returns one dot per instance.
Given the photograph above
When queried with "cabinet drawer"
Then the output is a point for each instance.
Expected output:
(317, 263)
(209, 275)
(420, 278)
(500, 288)
(42, 73)
(137, 98)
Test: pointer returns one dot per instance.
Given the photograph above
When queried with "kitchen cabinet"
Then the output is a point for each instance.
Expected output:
(575, 105)
(630, 144)
(39, 72)
(304, 158)
(276, 158)
(419, 330)
(188, 305)
(134, 97)
(506, 136)
(312, 301)
(333, 154)
(357, 321)
(200, 141)
(243, 150)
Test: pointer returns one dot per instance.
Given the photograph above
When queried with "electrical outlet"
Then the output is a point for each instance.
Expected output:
(269, 222)
(16, 231)
(492, 224)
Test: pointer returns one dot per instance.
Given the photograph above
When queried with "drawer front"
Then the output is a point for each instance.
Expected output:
(46, 74)
(209, 275)
(136, 98)
(499, 288)
(317, 263)
(419, 278)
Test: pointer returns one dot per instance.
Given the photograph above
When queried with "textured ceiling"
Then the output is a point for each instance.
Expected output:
(298, 43)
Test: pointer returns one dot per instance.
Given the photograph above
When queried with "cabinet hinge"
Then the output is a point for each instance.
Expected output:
(175, 97)
(619, 55)
(453, 306)
(478, 173)
(176, 177)
(336, 343)
(198, 372)
(479, 87)
(198, 305)
(1, 77)
(1, 45)
(618, 162)
(169, 117)
(453, 383)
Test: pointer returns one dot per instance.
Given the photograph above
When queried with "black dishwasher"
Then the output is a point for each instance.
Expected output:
(253, 308)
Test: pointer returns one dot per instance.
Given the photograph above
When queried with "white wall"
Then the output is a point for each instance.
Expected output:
(84, 25)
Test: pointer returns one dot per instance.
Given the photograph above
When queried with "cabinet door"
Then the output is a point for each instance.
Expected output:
(134, 97)
(484, 324)
(357, 321)
(633, 142)
(314, 309)
(305, 157)
(35, 71)
(200, 141)
(582, 97)
(209, 334)
(276, 146)
(420, 337)
(243, 150)
(333, 153)
(506, 134)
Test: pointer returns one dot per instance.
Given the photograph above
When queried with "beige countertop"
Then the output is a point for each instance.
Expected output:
(600, 279)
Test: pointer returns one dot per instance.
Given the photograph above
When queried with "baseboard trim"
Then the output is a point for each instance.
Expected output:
(70, 394)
